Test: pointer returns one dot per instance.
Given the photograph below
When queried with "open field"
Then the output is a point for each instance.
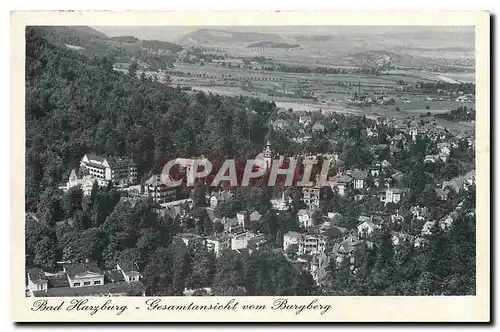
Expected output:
(317, 90)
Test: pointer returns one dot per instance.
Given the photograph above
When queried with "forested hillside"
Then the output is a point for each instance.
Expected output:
(75, 105)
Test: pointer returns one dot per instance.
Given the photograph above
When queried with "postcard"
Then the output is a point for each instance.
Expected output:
(250, 166)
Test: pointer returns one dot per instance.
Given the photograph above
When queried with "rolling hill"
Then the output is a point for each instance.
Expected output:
(214, 36)
(272, 45)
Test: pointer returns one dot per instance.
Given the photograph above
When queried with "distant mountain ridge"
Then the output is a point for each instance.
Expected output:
(272, 45)
(213, 36)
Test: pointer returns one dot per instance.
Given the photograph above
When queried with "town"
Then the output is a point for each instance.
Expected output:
(396, 216)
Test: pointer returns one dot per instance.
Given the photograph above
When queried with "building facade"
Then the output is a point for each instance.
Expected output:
(120, 171)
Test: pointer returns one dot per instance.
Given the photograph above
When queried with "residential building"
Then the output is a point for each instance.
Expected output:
(130, 270)
(255, 216)
(393, 195)
(431, 158)
(427, 228)
(374, 170)
(37, 281)
(307, 244)
(246, 239)
(318, 127)
(346, 249)
(444, 148)
(220, 196)
(83, 279)
(341, 182)
(290, 238)
(217, 244)
(366, 225)
(419, 213)
(442, 194)
(232, 225)
(359, 178)
(84, 180)
(84, 274)
(189, 238)
(399, 238)
(311, 196)
(281, 204)
(59, 285)
(241, 216)
(158, 191)
(311, 244)
(305, 218)
(279, 124)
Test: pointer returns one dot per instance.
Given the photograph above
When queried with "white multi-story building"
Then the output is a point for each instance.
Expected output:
(120, 171)
(393, 195)
(305, 218)
(307, 244)
(311, 196)
(217, 244)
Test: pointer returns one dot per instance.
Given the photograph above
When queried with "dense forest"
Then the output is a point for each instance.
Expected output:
(77, 104)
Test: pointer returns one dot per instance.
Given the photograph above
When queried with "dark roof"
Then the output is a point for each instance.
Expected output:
(58, 280)
(127, 266)
(210, 213)
(81, 268)
(95, 165)
(36, 274)
(341, 178)
(359, 175)
(120, 162)
(154, 180)
(130, 287)
(93, 156)
(113, 276)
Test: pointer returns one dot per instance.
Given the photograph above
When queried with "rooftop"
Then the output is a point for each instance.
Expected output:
(77, 269)
(128, 266)
(36, 274)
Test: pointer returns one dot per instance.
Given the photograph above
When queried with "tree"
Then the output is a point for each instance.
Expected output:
(451, 170)
(203, 270)
(292, 251)
(230, 273)
(72, 201)
(89, 244)
(428, 198)
(198, 194)
(157, 273)
(45, 253)
(132, 69)
(279, 239)
(218, 227)
(34, 233)
(49, 207)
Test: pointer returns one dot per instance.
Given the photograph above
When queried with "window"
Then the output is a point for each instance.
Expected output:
(76, 284)
(86, 283)
(97, 282)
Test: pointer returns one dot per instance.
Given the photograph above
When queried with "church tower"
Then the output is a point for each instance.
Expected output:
(268, 155)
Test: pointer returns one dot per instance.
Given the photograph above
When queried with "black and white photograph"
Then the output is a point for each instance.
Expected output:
(249, 161)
